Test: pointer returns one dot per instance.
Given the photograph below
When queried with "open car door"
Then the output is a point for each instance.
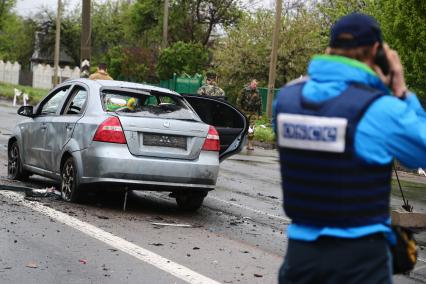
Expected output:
(230, 122)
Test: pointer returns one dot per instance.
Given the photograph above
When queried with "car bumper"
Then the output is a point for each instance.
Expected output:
(113, 163)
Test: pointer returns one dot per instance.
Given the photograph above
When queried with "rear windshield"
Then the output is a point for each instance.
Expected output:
(147, 104)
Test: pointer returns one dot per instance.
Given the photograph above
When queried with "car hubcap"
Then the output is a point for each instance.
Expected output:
(13, 162)
(67, 181)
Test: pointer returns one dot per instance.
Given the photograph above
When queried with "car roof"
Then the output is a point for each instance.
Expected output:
(123, 84)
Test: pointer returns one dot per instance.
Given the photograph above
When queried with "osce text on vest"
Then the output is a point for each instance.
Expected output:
(312, 133)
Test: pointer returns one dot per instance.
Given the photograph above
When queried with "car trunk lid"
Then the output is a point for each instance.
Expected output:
(165, 138)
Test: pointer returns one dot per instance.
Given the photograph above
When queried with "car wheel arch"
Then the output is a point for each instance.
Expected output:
(64, 157)
(11, 141)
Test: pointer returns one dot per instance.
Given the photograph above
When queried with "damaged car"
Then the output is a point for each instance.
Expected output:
(99, 135)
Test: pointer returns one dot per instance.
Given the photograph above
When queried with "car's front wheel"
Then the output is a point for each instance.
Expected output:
(190, 201)
(69, 182)
(14, 164)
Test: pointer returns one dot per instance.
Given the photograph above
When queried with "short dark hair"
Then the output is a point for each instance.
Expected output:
(102, 66)
(211, 75)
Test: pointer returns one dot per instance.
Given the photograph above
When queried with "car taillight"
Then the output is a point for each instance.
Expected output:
(212, 140)
(110, 131)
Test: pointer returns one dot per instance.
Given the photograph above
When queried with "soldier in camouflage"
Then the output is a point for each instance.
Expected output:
(211, 88)
(250, 102)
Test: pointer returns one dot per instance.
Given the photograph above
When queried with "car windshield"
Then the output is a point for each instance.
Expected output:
(147, 104)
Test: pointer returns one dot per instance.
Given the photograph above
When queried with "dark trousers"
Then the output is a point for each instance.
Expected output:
(336, 260)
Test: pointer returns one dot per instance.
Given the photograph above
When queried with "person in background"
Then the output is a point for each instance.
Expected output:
(250, 102)
(210, 88)
(338, 132)
(101, 73)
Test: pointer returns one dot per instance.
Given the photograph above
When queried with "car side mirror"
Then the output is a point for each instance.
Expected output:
(26, 111)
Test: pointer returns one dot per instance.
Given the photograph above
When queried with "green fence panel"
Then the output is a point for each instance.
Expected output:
(188, 85)
(263, 92)
(184, 84)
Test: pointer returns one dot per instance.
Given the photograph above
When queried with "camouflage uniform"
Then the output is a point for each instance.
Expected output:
(211, 90)
(250, 102)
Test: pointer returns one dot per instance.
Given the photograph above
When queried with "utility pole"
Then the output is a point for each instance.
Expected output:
(57, 45)
(273, 62)
(165, 23)
(85, 40)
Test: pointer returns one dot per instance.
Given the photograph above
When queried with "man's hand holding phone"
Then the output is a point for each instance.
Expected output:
(395, 79)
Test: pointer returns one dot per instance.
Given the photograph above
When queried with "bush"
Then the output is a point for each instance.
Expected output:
(181, 57)
(264, 134)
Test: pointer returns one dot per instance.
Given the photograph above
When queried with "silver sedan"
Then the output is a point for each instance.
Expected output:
(128, 136)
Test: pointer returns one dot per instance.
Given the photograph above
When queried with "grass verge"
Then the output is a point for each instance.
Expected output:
(35, 95)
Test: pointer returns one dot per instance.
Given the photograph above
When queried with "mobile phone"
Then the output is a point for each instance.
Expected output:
(382, 61)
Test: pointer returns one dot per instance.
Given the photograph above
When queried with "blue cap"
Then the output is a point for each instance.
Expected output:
(355, 30)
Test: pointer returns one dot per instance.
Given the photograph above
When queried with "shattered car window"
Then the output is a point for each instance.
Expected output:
(146, 104)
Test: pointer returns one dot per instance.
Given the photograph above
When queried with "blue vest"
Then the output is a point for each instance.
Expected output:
(323, 188)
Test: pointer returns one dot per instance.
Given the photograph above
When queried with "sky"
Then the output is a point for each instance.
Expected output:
(28, 7)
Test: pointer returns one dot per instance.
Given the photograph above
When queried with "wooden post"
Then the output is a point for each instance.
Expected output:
(273, 62)
(165, 23)
(57, 45)
(85, 40)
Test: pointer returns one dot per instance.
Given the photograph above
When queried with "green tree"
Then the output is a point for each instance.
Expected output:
(16, 35)
(403, 24)
(131, 64)
(245, 52)
(181, 57)
(189, 20)
(5, 10)
(108, 27)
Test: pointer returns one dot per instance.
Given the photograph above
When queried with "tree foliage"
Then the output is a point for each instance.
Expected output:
(403, 24)
(189, 20)
(131, 63)
(181, 57)
(213, 33)
(16, 34)
(245, 52)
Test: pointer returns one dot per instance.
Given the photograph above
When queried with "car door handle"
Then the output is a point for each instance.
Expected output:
(43, 126)
(69, 127)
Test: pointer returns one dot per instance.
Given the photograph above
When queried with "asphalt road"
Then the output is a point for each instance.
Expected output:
(238, 236)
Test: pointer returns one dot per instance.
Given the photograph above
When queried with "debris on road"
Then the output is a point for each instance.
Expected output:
(83, 261)
(171, 225)
(46, 192)
(32, 264)
(157, 244)
(272, 197)
(102, 217)
(258, 275)
(195, 248)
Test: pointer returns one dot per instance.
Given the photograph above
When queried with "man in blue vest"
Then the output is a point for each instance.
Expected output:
(338, 132)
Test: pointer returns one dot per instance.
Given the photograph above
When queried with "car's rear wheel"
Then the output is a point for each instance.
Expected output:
(14, 164)
(69, 182)
(190, 201)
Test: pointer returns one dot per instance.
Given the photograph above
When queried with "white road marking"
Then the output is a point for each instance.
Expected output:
(250, 209)
(421, 259)
(138, 252)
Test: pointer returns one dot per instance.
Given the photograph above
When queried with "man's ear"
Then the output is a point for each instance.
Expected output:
(374, 50)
